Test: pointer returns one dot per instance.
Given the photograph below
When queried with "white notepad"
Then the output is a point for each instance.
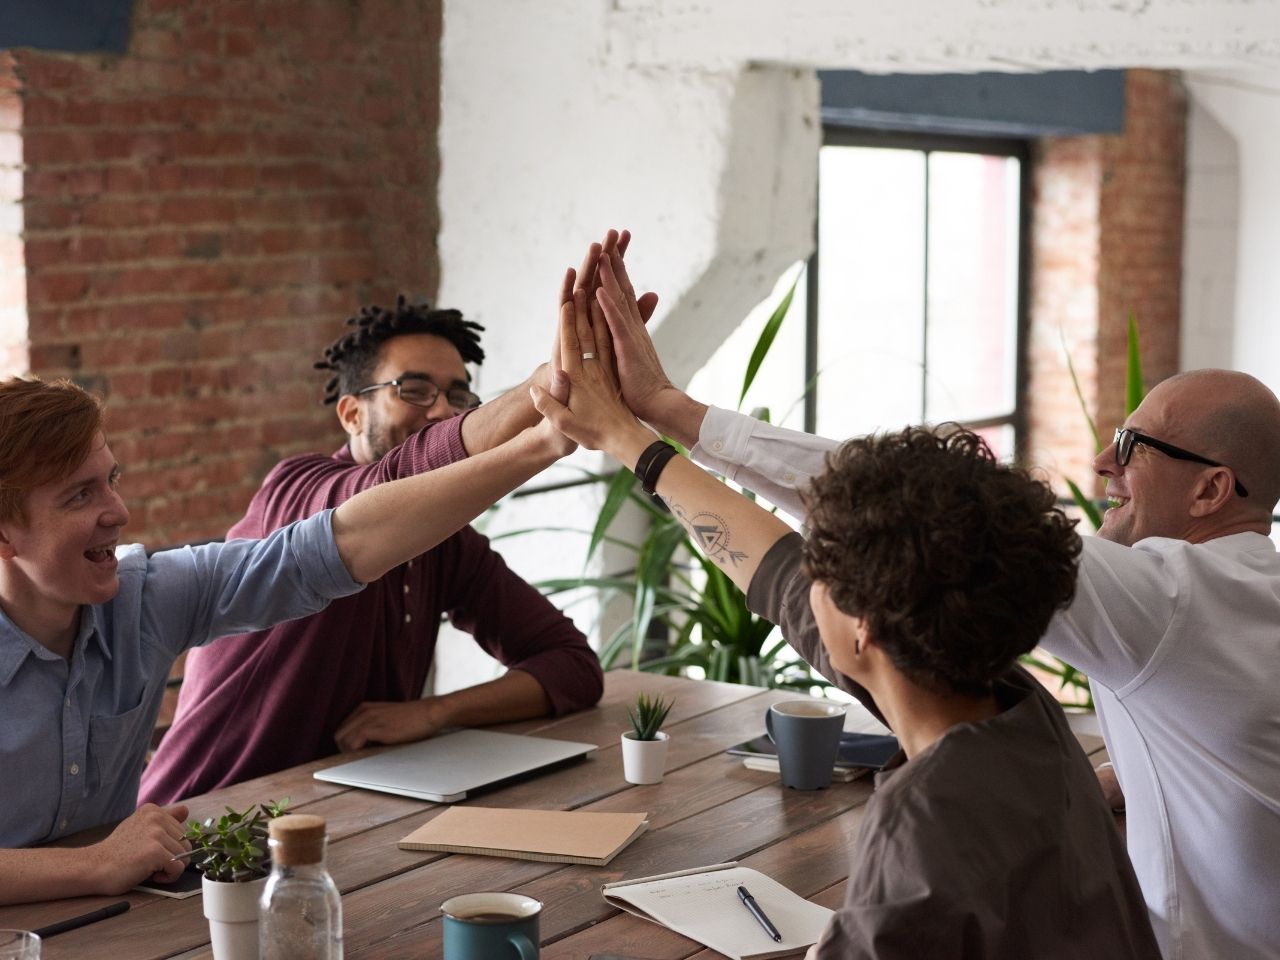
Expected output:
(703, 904)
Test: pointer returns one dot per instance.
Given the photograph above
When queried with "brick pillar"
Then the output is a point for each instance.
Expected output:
(204, 211)
(1107, 242)
(13, 282)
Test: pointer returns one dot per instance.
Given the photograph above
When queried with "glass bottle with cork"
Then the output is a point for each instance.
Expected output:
(300, 911)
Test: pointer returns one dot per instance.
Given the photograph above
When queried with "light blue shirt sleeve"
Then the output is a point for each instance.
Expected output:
(74, 733)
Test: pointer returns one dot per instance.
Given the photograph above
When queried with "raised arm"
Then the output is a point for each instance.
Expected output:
(646, 388)
(497, 421)
(394, 522)
(730, 529)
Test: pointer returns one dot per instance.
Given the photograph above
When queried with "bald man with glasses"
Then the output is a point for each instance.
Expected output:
(1176, 620)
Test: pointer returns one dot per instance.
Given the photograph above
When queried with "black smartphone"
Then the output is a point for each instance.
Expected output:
(869, 750)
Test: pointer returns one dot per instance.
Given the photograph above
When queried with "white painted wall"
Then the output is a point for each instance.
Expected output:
(1234, 320)
(694, 123)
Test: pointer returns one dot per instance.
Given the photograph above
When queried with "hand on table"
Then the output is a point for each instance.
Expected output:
(143, 846)
(396, 722)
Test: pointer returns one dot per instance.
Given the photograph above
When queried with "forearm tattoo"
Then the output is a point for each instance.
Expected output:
(710, 532)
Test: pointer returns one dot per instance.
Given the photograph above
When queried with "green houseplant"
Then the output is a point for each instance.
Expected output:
(644, 746)
(706, 625)
(232, 848)
(231, 851)
(647, 716)
(1134, 390)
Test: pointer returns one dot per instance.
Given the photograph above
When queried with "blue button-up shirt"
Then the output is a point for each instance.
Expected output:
(74, 734)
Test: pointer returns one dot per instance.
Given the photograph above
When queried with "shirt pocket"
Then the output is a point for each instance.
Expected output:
(116, 745)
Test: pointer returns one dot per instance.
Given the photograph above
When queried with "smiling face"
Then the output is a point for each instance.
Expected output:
(379, 421)
(1152, 495)
(62, 554)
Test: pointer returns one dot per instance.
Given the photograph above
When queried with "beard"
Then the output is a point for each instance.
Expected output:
(382, 437)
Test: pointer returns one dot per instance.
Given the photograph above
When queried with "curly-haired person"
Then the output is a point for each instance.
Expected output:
(354, 675)
(929, 569)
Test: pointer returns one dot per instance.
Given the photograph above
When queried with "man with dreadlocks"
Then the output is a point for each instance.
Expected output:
(354, 674)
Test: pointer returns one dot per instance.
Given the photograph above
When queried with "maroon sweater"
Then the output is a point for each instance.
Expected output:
(260, 702)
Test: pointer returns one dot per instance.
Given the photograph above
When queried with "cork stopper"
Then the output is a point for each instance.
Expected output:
(297, 839)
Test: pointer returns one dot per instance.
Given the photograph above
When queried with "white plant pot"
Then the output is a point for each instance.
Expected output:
(644, 761)
(232, 911)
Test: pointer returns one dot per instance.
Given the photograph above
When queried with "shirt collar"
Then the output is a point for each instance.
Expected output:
(89, 626)
(16, 645)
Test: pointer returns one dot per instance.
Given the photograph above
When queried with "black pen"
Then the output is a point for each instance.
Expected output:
(62, 926)
(749, 902)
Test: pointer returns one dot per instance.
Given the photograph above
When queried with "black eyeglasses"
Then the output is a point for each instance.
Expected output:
(421, 392)
(1126, 438)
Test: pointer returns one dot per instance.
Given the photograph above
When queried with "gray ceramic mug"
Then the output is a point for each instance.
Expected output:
(807, 733)
(491, 926)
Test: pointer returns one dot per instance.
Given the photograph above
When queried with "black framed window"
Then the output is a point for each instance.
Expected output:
(916, 295)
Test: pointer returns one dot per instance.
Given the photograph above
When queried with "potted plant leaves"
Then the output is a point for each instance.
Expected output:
(644, 746)
(231, 852)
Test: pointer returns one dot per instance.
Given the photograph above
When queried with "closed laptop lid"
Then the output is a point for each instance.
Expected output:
(447, 767)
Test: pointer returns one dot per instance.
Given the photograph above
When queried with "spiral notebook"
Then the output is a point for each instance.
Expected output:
(703, 905)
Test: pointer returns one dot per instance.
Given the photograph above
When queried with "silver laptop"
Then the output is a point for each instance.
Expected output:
(446, 768)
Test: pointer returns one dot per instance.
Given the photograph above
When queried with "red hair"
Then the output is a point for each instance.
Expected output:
(46, 431)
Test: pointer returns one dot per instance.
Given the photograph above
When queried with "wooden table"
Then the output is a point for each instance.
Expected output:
(709, 809)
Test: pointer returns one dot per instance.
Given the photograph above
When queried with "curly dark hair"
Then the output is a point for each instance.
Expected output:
(956, 561)
(353, 356)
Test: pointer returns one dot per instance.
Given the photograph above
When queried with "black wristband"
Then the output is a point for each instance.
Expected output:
(651, 463)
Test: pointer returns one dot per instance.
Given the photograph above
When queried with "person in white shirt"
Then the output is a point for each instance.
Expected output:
(1176, 619)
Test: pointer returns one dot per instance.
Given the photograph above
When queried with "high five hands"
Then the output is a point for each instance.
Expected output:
(596, 305)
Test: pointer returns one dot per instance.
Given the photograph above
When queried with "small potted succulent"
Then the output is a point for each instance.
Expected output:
(231, 852)
(644, 746)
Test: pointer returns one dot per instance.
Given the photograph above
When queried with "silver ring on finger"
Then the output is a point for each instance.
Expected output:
(588, 356)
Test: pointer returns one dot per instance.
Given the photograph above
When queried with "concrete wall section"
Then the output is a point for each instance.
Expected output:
(1248, 108)
(914, 36)
(1210, 241)
(549, 139)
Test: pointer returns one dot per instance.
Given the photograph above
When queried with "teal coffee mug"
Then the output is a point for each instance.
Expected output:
(491, 926)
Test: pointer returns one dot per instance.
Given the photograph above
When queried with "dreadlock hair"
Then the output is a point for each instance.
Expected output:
(353, 356)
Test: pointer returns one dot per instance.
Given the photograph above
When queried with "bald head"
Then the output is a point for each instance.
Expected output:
(1233, 418)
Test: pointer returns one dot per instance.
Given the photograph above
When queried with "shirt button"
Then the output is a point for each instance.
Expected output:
(62, 825)
(406, 588)
(74, 768)
(68, 703)
(789, 477)
(408, 618)
(717, 445)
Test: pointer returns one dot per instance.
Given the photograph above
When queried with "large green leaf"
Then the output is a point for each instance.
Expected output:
(1087, 506)
(766, 339)
(619, 492)
(1075, 384)
(1133, 388)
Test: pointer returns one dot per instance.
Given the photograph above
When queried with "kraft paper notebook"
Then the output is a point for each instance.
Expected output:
(555, 836)
(703, 905)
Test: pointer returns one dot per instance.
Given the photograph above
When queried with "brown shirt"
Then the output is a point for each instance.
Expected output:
(995, 842)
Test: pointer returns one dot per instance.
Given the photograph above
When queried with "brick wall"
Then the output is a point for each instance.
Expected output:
(13, 287)
(1106, 242)
(202, 212)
